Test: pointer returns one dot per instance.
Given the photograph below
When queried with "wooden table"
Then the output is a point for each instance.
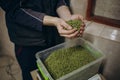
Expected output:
(34, 75)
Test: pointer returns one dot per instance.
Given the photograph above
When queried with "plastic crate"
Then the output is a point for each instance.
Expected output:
(82, 73)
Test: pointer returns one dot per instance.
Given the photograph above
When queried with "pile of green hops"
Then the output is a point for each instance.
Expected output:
(64, 61)
(75, 23)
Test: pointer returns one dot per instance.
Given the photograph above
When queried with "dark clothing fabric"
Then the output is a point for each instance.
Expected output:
(24, 19)
(26, 59)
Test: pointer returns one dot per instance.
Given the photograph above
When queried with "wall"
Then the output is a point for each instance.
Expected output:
(9, 68)
(105, 38)
(79, 6)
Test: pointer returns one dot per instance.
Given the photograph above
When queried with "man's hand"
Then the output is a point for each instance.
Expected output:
(65, 14)
(63, 28)
(79, 17)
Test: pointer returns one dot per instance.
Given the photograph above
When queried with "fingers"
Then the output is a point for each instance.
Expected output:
(71, 36)
(81, 30)
(67, 31)
(71, 33)
(82, 27)
(65, 25)
(63, 31)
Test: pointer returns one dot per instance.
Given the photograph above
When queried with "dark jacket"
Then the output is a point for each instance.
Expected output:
(24, 20)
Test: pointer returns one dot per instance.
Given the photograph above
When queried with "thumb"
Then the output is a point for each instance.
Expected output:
(66, 26)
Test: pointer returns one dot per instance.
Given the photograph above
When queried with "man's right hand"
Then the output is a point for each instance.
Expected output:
(63, 28)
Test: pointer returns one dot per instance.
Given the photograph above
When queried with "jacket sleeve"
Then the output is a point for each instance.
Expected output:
(29, 18)
(61, 3)
(21, 16)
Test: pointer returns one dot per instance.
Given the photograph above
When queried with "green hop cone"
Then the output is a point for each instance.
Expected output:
(75, 23)
(63, 61)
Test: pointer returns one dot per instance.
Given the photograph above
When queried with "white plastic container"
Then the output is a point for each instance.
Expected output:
(82, 73)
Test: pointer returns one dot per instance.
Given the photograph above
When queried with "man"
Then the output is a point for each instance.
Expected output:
(34, 25)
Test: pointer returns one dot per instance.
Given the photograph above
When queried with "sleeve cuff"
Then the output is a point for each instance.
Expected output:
(60, 3)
